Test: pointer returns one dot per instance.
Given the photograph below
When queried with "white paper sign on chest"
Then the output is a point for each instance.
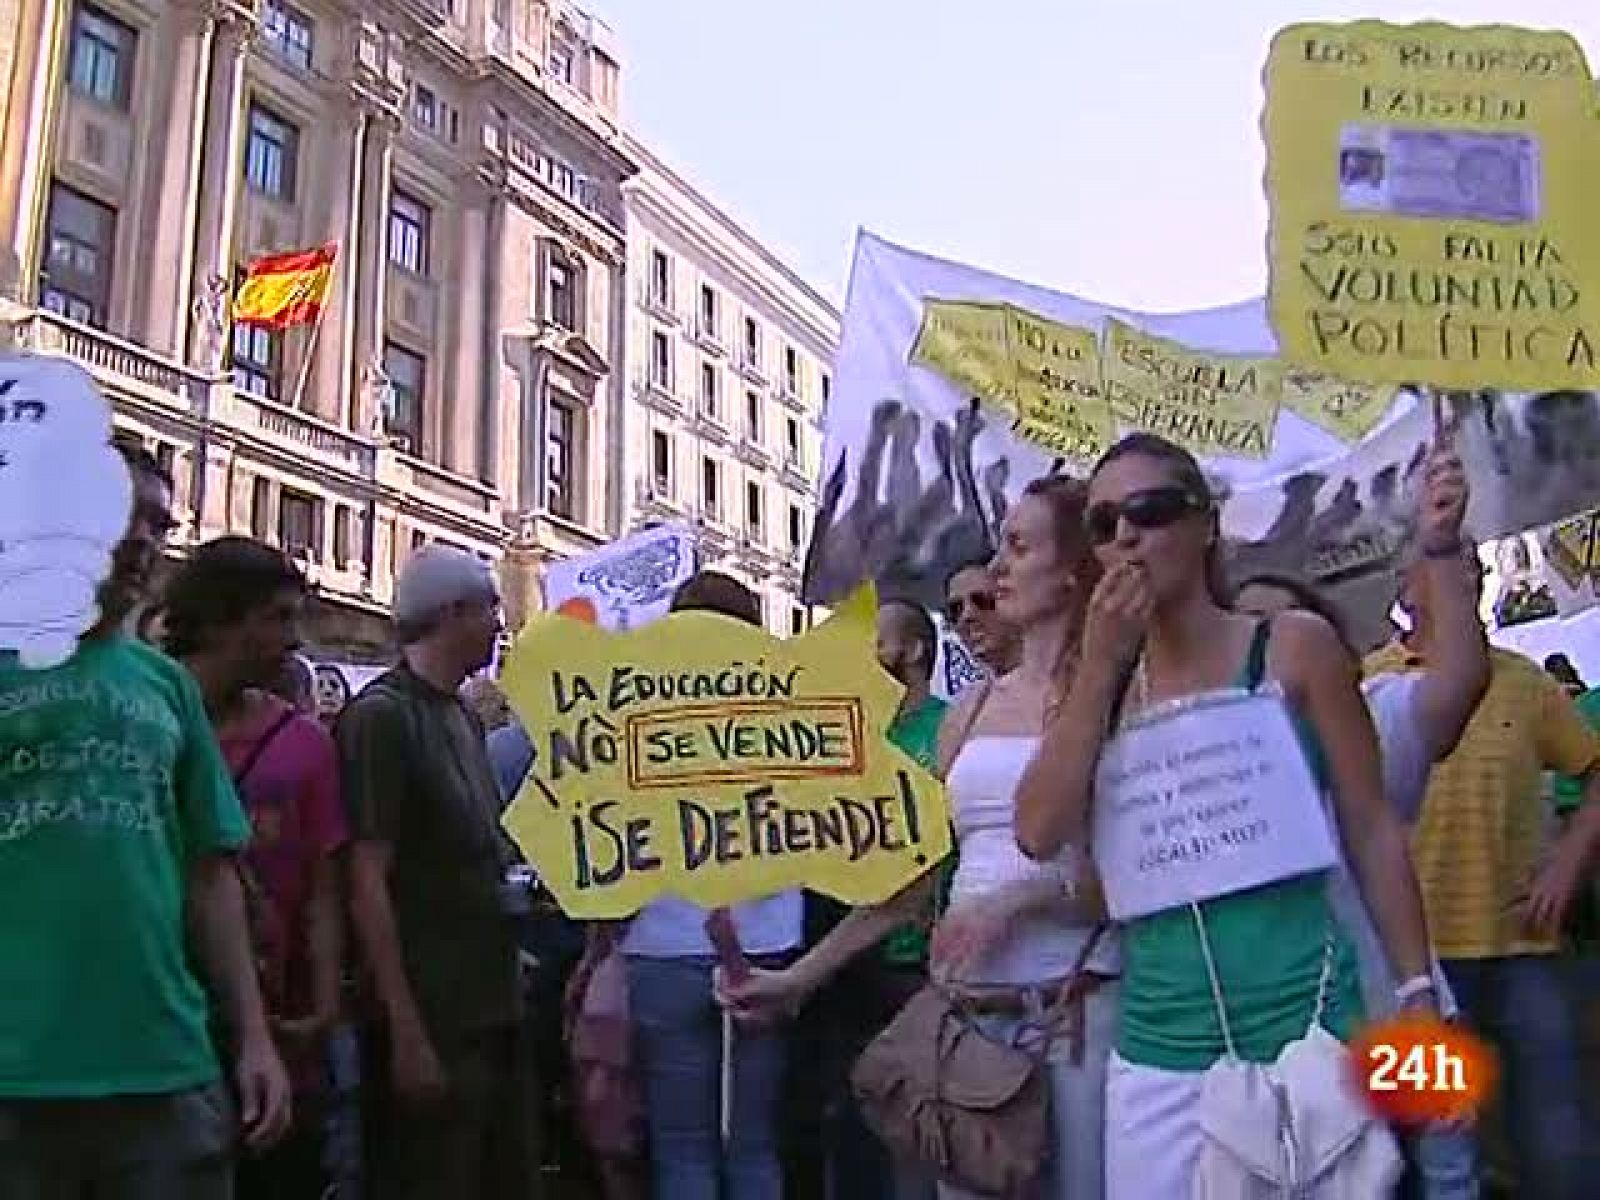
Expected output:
(65, 501)
(1205, 797)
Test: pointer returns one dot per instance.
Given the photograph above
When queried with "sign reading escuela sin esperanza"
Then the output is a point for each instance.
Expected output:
(704, 758)
(1205, 797)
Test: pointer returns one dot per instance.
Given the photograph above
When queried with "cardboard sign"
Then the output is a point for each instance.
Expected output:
(1205, 797)
(705, 758)
(65, 502)
(1431, 217)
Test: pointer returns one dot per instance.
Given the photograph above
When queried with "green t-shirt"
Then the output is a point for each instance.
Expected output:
(111, 783)
(1569, 791)
(916, 733)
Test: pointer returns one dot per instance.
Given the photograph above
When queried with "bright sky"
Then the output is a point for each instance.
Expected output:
(1109, 150)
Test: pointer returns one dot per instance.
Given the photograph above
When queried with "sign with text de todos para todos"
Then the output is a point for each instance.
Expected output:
(705, 758)
(1203, 797)
(1430, 222)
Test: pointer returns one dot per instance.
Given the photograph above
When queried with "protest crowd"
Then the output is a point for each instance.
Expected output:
(333, 973)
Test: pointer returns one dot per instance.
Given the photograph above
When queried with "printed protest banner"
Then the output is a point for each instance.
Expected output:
(919, 473)
(1347, 410)
(626, 583)
(65, 499)
(1204, 797)
(705, 758)
(1041, 376)
(1430, 210)
(1210, 404)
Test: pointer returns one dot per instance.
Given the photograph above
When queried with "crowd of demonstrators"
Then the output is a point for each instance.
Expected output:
(134, 1044)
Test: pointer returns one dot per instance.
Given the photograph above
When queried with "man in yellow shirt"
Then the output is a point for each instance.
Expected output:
(1495, 899)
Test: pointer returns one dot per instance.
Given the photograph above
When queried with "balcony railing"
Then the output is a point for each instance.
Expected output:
(300, 430)
(118, 365)
(458, 489)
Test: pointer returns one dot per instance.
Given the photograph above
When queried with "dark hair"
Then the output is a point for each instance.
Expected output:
(973, 562)
(922, 629)
(1560, 666)
(144, 624)
(1307, 597)
(1187, 474)
(713, 591)
(221, 583)
(138, 457)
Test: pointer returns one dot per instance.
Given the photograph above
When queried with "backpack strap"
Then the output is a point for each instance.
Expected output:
(263, 743)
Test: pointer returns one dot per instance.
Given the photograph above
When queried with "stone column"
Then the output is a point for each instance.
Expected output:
(221, 177)
(170, 220)
(37, 35)
(372, 270)
(467, 297)
(332, 372)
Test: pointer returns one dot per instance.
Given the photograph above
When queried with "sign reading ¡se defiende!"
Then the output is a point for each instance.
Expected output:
(1203, 798)
(702, 757)
(1431, 218)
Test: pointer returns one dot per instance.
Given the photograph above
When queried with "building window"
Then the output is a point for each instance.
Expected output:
(791, 371)
(752, 342)
(342, 548)
(271, 154)
(425, 108)
(289, 32)
(563, 287)
(660, 279)
(661, 459)
(101, 65)
(257, 361)
(710, 498)
(752, 416)
(300, 525)
(797, 527)
(708, 311)
(797, 620)
(561, 459)
(410, 229)
(80, 245)
(791, 440)
(419, 539)
(661, 360)
(562, 61)
(827, 391)
(752, 506)
(408, 382)
(167, 458)
(708, 389)
(260, 507)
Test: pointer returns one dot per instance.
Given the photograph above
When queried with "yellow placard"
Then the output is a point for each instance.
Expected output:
(967, 344)
(1211, 404)
(1347, 410)
(1042, 374)
(1060, 405)
(702, 757)
(1430, 222)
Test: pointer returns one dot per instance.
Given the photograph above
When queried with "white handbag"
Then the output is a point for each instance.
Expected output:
(1295, 1128)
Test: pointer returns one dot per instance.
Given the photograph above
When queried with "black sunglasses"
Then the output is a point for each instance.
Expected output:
(982, 602)
(1153, 508)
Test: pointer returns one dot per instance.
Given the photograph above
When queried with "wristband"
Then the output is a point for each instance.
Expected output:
(1414, 987)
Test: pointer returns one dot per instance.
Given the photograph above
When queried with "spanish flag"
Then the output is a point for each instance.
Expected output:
(284, 290)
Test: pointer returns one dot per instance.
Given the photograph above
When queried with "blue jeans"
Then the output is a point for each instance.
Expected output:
(678, 1034)
(1526, 1007)
(1442, 1165)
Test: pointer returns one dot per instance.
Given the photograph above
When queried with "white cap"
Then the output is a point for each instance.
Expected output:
(436, 577)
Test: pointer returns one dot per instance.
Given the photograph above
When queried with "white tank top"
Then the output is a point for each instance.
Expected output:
(982, 790)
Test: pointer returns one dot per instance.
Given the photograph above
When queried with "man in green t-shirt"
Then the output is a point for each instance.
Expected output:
(118, 831)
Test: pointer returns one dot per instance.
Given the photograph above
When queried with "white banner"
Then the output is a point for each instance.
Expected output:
(919, 470)
(1202, 798)
(627, 583)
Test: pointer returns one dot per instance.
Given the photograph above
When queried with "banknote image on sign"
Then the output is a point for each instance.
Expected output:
(1204, 797)
(1439, 173)
(704, 758)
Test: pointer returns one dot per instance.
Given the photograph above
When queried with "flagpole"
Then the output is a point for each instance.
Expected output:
(316, 333)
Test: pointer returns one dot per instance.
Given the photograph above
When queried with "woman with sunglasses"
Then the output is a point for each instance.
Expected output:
(1249, 971)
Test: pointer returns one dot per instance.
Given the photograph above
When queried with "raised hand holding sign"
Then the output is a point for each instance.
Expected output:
(65, 500)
